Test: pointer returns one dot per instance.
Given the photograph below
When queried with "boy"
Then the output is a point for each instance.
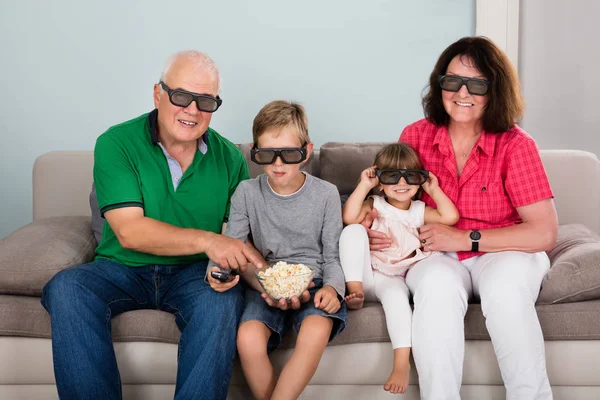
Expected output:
(294, 217)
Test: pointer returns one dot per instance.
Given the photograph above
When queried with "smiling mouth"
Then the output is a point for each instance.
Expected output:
(401, 190)
(187, 123)
(463, 104)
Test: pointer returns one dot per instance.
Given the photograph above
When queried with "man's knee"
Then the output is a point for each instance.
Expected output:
(64, 287)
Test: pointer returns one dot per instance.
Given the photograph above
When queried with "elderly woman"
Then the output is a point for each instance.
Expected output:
(492, 171)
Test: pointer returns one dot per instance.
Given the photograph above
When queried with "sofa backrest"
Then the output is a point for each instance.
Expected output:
(62, 180)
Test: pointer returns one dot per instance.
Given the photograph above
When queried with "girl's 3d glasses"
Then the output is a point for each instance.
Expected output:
(391, 176)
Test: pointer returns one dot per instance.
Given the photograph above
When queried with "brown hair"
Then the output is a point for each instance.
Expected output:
(279, 114)
(504, 104)
(398, 156)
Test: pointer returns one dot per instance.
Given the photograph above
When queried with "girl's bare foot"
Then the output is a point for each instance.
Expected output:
(398, 380)
(354, 301)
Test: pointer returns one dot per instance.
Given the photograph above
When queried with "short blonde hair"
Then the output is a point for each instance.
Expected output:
(279, 114)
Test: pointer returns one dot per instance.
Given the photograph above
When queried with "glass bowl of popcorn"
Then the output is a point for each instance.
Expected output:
(284, 281)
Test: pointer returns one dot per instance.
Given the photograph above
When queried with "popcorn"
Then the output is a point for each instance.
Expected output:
(284, 280)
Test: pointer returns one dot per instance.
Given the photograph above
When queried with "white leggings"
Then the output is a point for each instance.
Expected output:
(390, 291)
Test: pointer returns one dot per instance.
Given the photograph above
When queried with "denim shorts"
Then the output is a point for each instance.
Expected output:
(256, 309)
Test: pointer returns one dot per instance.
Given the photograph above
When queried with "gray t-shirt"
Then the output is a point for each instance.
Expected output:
(303, 227)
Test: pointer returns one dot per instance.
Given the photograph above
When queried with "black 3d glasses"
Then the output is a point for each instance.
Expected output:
(183, 98)
(291, 155)
(391, 176)
(453, 83)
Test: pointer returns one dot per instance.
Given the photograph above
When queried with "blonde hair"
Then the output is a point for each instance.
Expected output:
(279, 114)
(398, 156)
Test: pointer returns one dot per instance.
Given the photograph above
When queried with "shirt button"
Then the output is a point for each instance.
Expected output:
(483, 189)
(176, 179)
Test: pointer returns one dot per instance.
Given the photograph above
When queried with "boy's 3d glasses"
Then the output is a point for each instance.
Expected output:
(290, 155)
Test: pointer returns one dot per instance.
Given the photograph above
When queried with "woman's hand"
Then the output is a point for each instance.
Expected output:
(431, 185)
(368, 177)
(377, 240)
(441, 237)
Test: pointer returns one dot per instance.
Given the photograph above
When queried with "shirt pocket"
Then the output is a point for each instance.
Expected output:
(485, 201)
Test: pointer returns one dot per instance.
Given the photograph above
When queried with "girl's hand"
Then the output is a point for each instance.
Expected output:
(219, 286)
(369, 178)
(431, 185)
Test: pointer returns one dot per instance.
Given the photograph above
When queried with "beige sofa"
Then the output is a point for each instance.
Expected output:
(356, 364)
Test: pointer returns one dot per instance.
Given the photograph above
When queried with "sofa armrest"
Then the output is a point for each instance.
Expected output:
(33, 254)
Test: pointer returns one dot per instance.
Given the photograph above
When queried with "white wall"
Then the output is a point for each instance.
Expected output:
(71, 69)
(559, 68)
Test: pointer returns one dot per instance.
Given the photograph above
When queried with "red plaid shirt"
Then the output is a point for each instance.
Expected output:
(503, 171)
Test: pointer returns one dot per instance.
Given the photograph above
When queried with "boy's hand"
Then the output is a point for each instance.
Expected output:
(431, 185)
(369, 178)
(293, 304)
(219, 286)
(326, 299)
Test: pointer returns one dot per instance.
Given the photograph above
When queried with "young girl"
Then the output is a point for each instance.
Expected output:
(379, 275)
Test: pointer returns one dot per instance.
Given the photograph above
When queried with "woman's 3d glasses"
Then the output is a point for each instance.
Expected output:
(391, 176)
(292, 155)
(183, 98)
(453, 83)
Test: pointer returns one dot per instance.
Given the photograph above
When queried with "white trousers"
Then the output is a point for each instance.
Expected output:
(508, 285)
(390, 291)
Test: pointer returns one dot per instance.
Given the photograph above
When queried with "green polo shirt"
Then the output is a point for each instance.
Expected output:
(130, 169)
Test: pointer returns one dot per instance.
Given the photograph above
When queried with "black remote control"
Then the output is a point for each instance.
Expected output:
(224, 275)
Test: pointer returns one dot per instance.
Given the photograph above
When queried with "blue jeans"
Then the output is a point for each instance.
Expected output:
(82, 300)
(278, 321)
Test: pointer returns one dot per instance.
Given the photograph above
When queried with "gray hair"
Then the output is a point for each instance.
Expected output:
(200, 61)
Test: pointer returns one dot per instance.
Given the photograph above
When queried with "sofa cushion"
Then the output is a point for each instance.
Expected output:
(32, 255)
(575, 272)
(342, 163)
(24, 316)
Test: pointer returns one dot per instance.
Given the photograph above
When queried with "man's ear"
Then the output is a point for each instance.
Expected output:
(156, 94)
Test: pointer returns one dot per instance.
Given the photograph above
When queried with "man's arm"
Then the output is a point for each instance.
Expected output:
(137, 232)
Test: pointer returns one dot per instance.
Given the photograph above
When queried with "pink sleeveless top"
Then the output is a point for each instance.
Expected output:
(401, 226)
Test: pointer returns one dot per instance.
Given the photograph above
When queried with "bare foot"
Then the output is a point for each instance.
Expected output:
(354, 301)
(398, 380)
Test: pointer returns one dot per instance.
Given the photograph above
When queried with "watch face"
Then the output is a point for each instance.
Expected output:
(475, 235)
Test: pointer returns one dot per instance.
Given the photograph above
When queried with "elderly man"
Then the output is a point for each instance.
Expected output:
(164, 181)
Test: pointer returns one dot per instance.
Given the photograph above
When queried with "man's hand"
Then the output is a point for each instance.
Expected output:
(219, 286)
(326, 299)
(231, 253)
(377, 240)
(294, 303)
(444, 238)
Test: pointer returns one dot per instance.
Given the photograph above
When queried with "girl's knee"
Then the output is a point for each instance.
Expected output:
(354, 232)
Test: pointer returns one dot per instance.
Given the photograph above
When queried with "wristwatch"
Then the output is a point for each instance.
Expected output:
(475, 236)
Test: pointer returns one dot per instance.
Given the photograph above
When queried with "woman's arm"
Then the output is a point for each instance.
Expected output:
(446, 212)
(536, 233)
